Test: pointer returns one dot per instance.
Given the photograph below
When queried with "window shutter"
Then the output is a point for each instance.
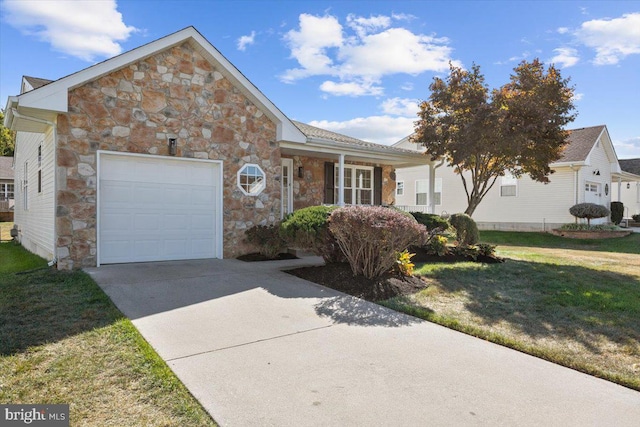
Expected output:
(329, 183)
(377, 185)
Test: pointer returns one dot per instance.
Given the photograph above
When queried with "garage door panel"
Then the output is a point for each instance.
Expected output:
(152, 209)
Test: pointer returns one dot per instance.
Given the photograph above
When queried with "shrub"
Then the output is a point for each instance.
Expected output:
(431, 221)
(486, 249)
(466, 229)
(403, 261)
(308, 229)
(468, 251)
(589, 211)
(371, 236)
(617, 212)
(267, 239)
(635, 218)
(437, 246)
(586, 227)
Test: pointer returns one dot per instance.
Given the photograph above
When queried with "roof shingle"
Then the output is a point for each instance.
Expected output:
(5, 167)
(630, 165)
(580, 143)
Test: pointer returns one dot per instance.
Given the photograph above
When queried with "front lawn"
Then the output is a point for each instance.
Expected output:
(63, 341)
(576, 303)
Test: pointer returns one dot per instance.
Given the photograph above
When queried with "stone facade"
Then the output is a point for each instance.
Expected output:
(176, 93)
(309, 190)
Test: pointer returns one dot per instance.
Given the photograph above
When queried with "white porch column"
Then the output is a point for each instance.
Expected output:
(432, 185)
(619, 188)
(341, 180)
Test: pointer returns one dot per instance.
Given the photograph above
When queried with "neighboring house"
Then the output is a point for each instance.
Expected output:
(627, 190)
(6, 188)
(586, 172)
(168, 152)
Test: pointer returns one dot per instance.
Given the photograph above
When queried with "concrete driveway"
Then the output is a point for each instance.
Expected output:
(259, 347)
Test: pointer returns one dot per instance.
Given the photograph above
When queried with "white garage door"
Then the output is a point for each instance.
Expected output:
(157, 209)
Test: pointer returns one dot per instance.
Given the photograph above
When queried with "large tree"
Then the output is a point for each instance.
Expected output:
(7, 142)
(482, 134)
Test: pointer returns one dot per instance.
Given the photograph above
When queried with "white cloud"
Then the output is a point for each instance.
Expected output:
(562, 30)
(612, 39)
(407, 107)
(565, 57)
(385, 130)
(408, 86)
(309, 46)
(361, 53)
(577, 96)
(84, 29)
(244, 41)
(351, 88)
(629, 148)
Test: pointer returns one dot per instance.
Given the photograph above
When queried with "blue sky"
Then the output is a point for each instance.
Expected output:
(355, 67)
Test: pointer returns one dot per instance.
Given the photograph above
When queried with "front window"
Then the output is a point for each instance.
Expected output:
(508, 185)
(251, 179)
(6, 191)
(422, 192)
(400, 188)
(358, 185)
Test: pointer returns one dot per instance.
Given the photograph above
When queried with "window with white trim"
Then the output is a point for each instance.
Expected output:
(437, 191)
(251, 179)
(6, 191)
(399, 188)
(422, 192)
(358, 184)
(508, 185)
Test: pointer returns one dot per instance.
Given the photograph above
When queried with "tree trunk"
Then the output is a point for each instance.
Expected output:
(474, 201)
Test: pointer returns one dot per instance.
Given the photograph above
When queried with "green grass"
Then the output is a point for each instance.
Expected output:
(629, 244)
(555, 300)
(63, 341)
(14, 258)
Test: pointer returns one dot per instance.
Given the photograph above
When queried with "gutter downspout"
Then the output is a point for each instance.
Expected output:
(575, 170)
(432, 185)
(54, 126)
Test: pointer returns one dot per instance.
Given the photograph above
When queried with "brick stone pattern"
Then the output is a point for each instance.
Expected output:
(176, 93)
(309, 190)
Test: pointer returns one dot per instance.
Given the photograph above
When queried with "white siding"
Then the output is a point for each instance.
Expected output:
(36, 224)
(410, 176)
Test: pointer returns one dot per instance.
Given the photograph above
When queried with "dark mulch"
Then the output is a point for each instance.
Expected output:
(256, 256)
(421, 256)
(339, 276)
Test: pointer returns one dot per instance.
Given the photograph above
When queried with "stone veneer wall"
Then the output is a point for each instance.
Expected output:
(176, 93)
(309, 190)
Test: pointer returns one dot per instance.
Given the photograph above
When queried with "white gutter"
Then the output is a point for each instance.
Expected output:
(575, 170)
(54, 126)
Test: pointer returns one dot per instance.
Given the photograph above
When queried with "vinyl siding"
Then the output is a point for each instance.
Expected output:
(630, 197)
(597, 161)
(36, 224)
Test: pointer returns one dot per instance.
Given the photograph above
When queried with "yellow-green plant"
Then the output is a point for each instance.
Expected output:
(403, 261)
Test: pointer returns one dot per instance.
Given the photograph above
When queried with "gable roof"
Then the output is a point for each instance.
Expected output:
(6, 171)
(34, 83)
(580, 143)
(45, 102)
(630, 165)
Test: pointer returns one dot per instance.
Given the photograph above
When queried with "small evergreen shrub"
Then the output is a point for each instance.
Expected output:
(635, 218)
(589, 211)
(371, 236)
(486, 249)
(617, 212)
(586, 227)
(466, 229)
(467, 251)
(308, 229)
(267, 239)
(431, 221)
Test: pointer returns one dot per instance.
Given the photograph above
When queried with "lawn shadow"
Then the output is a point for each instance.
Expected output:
(549, 300)
(47, 305)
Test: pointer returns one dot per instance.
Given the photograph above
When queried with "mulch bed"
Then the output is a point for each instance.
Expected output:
(256, 256)
(339, 276)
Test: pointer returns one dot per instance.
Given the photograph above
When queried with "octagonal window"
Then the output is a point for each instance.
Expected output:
(251, 179)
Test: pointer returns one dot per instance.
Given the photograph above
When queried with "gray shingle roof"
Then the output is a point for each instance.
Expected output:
(630, 165)
(37, 82)
(315, 132)
(581, 142)
(5, 167)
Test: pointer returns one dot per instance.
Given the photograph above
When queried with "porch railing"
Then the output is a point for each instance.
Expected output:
(416, 208)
